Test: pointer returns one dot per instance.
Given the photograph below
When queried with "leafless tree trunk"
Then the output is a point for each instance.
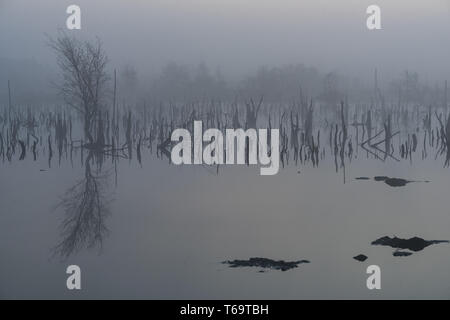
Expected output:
(83, 68)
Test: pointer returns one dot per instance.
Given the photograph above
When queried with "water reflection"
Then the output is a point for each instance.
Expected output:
(311, 133)
(86, 208)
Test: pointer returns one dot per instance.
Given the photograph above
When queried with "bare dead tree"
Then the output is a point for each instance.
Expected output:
(84, 77)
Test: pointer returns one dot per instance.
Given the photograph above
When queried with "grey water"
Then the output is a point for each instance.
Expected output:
(162, 231)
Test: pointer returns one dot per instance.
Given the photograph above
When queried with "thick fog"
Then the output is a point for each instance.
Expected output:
(232, 38)
(359, 126)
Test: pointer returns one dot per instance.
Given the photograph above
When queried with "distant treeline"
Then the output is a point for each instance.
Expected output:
(31, 84)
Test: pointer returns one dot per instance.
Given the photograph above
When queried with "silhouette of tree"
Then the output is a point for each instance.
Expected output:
(84, 77)
(86, 207)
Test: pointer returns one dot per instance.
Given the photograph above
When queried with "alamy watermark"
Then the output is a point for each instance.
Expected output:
(239, 146)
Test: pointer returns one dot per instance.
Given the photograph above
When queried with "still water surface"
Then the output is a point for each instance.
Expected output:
(169, 228)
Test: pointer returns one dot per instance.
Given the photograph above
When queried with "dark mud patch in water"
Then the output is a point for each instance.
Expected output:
(392, 182)
(401, 253)
(265, 263)
(360, 257)
(380, 178)
(397, 182)
(414, 244)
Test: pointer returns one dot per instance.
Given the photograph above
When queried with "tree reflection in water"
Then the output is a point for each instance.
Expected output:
(86, 207)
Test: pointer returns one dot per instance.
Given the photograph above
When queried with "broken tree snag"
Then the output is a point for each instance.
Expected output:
(265, 263)
(23, 152)
(413, 244)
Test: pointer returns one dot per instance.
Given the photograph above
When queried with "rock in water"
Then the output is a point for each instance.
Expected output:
(396, 182)
(360, 257)
(413, 244)
(265, 263)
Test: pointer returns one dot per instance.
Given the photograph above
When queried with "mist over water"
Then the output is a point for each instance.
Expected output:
(87, 179)
(236, 36)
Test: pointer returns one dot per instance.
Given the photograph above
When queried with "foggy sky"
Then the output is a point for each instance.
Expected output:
(240, 35)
